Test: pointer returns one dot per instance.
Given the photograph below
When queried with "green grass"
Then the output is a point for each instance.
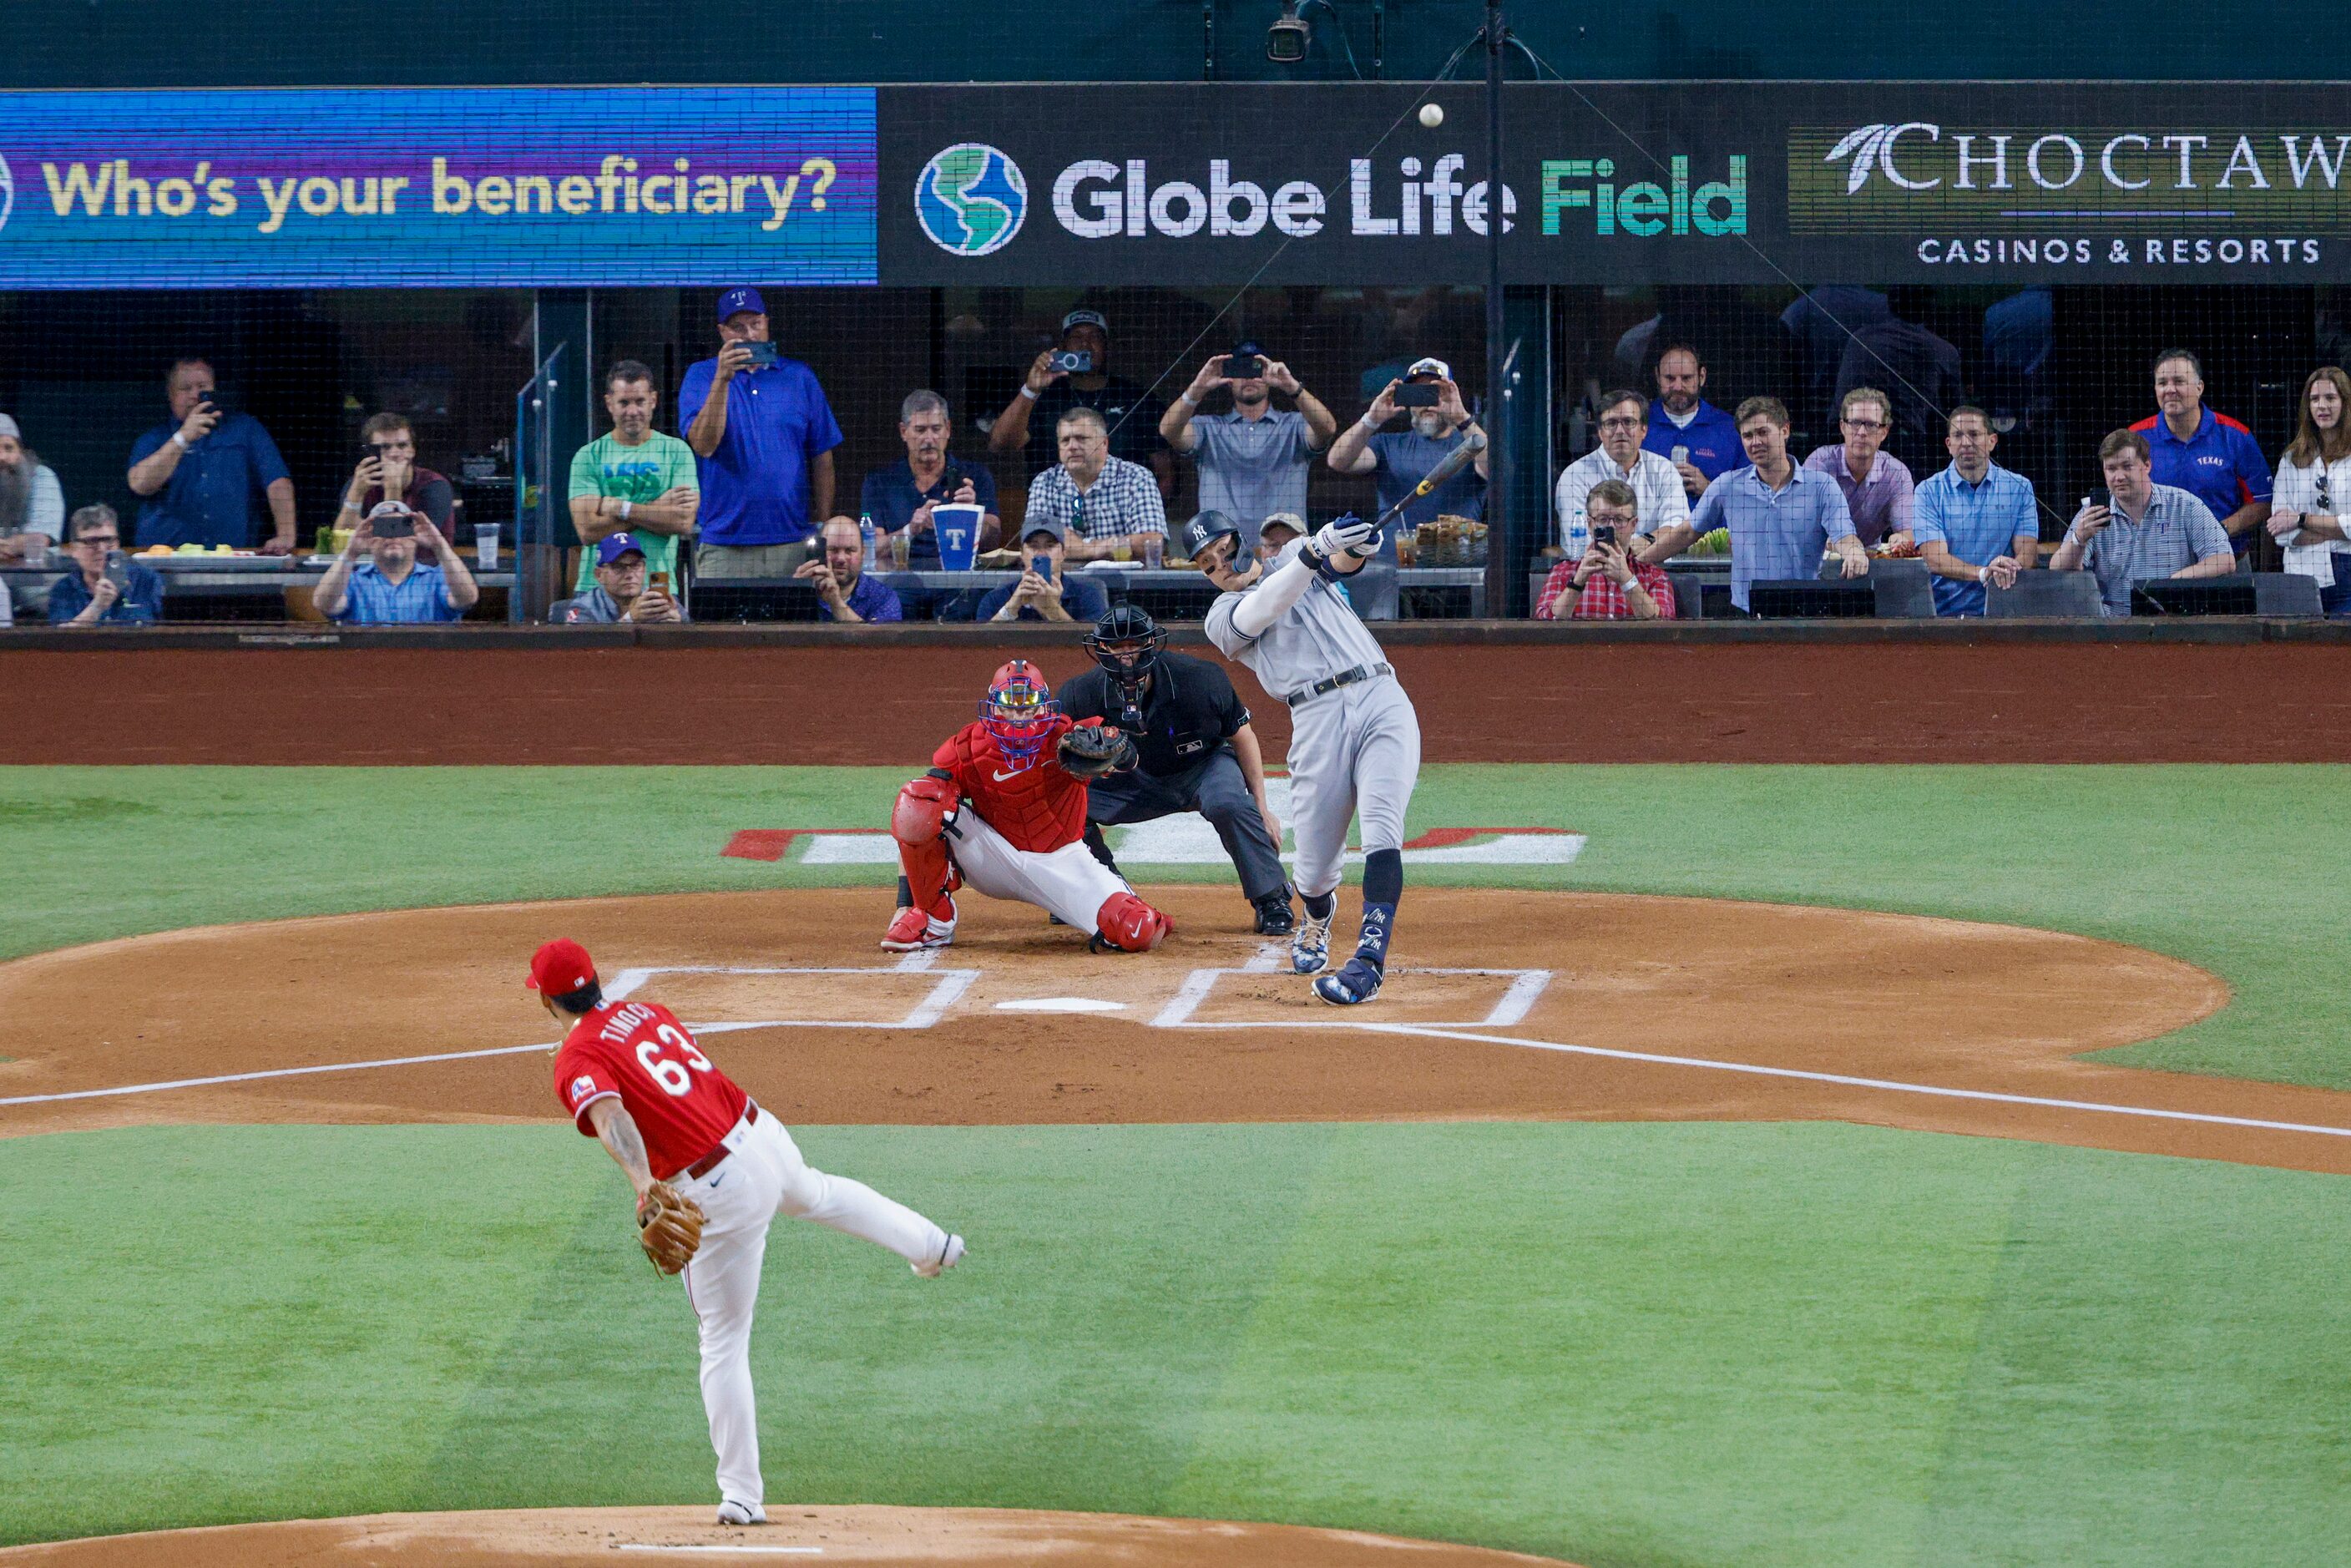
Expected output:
(1699, 1345)
(2211, 864)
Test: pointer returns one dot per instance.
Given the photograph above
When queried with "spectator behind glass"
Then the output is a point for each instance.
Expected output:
(1104, 500)
(1605, 584)
(764, 435)
(2211, 456)
(899, 496)
(1976, 523)
(128, 595)
(207, 476)
(1681, 419)
(1054, 595)
(392, 589)
(844, 593)
(32, 502)
(1921, 369)
(1278, 529)
(1253, 459)
(621, 590)
(389, 472)
(1031, 422)
(1879, 489)
(2313, 482)
(2150, 530)
(634, 479)
(1657, 489)
(1400, 459)
(1781, 518)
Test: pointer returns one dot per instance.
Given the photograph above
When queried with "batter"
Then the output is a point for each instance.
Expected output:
(1354, 742)
(632, 1075)
(1004, 810)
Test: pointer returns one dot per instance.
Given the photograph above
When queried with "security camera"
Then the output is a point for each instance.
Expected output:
(1285, 41)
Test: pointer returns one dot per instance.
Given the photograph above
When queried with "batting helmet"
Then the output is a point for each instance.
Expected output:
(1206, 526)
(1018, 710)
(1125, 625)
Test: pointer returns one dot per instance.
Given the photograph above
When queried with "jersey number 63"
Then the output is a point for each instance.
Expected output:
(671, 1076)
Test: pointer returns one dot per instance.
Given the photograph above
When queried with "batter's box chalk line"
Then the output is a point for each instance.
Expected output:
(1517, 1001)
(948, 990)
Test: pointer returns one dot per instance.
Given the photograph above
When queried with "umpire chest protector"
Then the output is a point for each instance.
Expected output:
(1189, 715)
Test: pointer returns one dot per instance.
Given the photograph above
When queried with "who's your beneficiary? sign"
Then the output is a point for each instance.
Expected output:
(437, 187)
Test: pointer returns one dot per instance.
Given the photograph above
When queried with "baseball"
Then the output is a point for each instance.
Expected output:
(1432, 115)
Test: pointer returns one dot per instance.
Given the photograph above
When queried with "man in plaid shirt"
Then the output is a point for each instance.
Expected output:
(1103, 501)
(1605, 584)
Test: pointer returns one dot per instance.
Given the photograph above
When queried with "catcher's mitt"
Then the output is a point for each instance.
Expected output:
(669, 1227)
(1091, 750)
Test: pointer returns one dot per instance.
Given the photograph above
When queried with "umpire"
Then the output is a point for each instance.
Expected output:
(1198, 753)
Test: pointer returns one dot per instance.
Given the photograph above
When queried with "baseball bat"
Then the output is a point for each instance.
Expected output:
(1454, 461)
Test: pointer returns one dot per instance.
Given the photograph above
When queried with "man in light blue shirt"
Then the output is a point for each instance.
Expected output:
(1975, 522)
(389, 589)
(1781, 518)
(2150, 530)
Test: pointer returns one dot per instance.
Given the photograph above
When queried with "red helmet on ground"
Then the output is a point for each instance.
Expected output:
(1018, 710)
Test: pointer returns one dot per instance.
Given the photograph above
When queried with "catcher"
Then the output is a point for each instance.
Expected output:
(1003, 809)
(711, 1170)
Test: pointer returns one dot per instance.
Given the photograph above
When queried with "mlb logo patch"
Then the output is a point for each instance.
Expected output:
(581, 1088)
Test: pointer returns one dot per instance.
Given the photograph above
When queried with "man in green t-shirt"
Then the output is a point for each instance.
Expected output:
(635, 479)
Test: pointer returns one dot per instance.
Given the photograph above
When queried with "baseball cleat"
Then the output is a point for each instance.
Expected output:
(1309, 947)
(1273, 915)
(949, 1256)
(1358, 982)
(911, 930)
(733, 1512)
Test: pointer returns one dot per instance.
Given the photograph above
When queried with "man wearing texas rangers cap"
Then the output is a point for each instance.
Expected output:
(763, 436)
(630, 1074)
(620, 593)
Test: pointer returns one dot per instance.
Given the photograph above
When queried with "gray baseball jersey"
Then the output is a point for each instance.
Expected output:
(1353, 749)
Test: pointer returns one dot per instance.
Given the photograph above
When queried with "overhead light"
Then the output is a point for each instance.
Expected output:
(1285, 41)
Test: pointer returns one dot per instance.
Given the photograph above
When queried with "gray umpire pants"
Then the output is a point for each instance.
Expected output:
(1217, 791)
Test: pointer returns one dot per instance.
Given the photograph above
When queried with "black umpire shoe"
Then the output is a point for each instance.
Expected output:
(1273, 915)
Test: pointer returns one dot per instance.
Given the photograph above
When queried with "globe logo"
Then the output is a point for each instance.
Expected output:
(7, 192)
(971, 199)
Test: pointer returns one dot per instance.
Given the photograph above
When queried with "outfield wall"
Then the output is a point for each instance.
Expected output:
(2202, 691)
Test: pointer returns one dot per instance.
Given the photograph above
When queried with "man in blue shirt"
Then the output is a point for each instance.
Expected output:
(1400, 459)
(1701, 441)
(763, 435)
(2211, 456)
(390, 589)
(206, 473)
(1050, 595)
(844, 593)
(899, 498)
(1975, 522)
(87, 596)
(1781, 518)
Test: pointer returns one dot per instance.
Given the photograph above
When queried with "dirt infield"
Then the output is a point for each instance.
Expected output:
(868, 1537)
(1883, 701)
(1780, 1012)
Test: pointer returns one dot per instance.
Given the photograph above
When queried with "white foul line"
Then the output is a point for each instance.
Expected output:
(729, 1551)
(1847, 1081)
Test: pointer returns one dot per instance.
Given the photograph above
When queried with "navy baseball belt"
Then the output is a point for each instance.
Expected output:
(717, 1156)
(1343, 678)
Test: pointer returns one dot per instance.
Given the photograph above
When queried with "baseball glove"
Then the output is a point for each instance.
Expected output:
(1091, 750)
(669, 1227)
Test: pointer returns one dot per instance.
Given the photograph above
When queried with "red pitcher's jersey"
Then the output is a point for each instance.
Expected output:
(1039, 808)
(637, 1054)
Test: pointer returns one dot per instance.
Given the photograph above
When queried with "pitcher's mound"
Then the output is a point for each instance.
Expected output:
(870, 1537)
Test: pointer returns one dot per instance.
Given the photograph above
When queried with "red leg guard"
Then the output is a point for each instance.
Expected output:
(1126, 923)
(922, 805)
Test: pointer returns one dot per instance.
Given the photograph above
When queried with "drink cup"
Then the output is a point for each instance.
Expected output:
(957, 527)
(901, 545)
(1154, 550)
(486, 546)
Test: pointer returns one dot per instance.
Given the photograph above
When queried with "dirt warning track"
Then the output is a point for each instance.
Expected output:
(1502, 1006)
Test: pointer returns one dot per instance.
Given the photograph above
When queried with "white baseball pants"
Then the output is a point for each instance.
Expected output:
(763, 1177)
(1069, 881)
(1356, 748)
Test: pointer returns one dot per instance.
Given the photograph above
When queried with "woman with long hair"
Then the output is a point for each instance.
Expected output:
(2314, 491)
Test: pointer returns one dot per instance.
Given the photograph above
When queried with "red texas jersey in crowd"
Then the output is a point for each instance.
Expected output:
(639, 1052)
(1039, 808)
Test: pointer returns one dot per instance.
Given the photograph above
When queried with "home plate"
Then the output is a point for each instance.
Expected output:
(1059, 1004)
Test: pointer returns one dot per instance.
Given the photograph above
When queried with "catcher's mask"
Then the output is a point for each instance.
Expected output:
(1125, 642)
(1018, 710)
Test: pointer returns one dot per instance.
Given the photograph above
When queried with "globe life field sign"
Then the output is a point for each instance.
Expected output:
(971, 199)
